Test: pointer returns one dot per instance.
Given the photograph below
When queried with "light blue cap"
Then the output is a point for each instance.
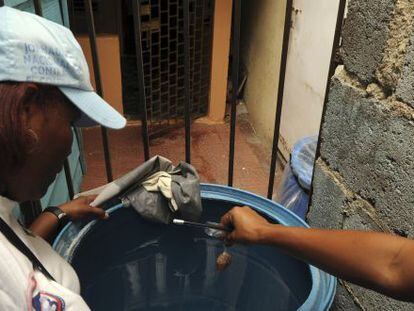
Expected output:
(34, 49)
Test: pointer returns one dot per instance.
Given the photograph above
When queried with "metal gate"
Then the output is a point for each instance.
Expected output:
(187, 76)
(163, 57)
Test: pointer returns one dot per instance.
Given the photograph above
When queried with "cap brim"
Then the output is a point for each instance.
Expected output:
(94, 109)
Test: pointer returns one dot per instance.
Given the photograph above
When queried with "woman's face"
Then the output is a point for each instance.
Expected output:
(50, 131)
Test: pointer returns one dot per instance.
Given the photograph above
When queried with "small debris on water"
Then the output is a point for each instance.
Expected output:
(215, 233)
(223, 261)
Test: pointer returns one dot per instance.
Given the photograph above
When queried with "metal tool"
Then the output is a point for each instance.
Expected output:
(208, 225)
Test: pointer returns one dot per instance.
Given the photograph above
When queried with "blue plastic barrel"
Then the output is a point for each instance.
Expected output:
(297, 177)
(125, 263)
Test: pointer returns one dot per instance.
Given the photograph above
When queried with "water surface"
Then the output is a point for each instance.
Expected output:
(127, 264)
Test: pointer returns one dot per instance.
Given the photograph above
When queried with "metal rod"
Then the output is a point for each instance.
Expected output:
(35, 206)
(207, 225)
(30, 210)
(79, 140)
(70, 12)
(235, 82)
(98, 82)
(187, 116)
(62, 16)
(141, 86)
(38, 7)
(68, 176)
(119, 28)
(282, 73)
(332, 66)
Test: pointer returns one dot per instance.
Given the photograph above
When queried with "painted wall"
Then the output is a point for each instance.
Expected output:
(220, 59)
(110, 66)
(50, 8)
(261, 43)
(313, 26)
(307, 68)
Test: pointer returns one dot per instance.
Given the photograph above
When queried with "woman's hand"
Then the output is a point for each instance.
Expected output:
(249, 226)
(46, 224)
(80, 209)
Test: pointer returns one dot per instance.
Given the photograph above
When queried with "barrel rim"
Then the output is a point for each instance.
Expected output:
(323, 285)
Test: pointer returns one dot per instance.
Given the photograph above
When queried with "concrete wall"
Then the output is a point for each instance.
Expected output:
(313, 26)
(364, 173)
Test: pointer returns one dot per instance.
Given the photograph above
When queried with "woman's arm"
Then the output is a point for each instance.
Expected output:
(47, 223)
(382, 262)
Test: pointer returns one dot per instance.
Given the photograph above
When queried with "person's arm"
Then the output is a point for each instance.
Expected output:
(378, 261)
(47, 223)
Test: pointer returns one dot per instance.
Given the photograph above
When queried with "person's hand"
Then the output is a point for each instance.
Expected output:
(248, 225)
(80, 209)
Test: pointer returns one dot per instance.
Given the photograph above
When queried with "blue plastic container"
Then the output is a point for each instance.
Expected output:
(125, 263)
(297, 177)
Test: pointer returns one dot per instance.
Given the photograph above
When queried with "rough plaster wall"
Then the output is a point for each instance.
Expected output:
(389, 71)
(364, 173)
(261, 43)
(311, 36)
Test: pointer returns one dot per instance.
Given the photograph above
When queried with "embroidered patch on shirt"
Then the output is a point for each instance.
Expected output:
(47, 302)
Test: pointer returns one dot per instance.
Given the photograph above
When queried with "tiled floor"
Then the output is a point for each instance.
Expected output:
(209, 154)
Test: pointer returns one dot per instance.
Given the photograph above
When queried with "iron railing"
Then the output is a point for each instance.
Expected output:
(235, 44)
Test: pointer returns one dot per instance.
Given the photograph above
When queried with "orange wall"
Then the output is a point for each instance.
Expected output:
(220, 59)
(110, 66)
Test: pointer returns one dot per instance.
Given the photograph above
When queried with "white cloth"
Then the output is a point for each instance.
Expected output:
(22, 288)
(161, 181)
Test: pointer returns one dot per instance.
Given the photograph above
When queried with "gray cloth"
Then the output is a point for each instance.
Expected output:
(168, 192)
(185, 187)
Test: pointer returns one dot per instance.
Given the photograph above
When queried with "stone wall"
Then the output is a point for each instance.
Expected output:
(364, 174)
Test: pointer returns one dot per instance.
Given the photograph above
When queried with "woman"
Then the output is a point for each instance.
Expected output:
(374, 260)
(44, 91)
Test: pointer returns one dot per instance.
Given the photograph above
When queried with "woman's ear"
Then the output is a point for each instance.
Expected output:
(32, 123)
(32, 140)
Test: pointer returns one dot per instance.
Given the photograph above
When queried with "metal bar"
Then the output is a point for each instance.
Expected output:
(79, 140)
(38, 7)
(68, 176)
(30, 211)
(235, 82)
(70, 11)
(98, 82)
(35, 206)
(207, 225)
(171, 12)
(201, 51)
(335, 47)
(119, 28)
(141, 86)
(282, 72)
(187, 116)
(61, 12)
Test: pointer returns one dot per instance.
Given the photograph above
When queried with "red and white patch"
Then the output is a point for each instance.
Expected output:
(41, 300)
(47, 302)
